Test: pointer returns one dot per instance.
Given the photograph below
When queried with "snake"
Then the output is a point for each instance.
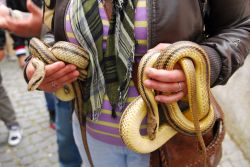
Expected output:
(60, 51)
(70, 54)
(196, 120)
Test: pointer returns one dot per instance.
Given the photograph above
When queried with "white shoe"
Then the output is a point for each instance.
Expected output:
(15, 135)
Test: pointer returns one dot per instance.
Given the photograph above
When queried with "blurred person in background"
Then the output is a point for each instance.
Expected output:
(28, 26)
(7, 112)
(20, 42)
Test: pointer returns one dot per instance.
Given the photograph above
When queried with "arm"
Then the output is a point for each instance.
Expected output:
(228, 32)
(58, 72)
(22, 23)
(227, 43)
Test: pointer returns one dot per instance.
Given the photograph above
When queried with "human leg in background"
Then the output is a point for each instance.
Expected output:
(7, 114)
(50, 102)
(67, 150)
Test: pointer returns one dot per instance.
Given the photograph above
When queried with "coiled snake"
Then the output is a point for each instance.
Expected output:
(68, 53)
(197, 119)
(60, 51)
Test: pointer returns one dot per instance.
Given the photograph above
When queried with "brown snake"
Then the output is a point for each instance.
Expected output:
(70, 54)
(60, 51)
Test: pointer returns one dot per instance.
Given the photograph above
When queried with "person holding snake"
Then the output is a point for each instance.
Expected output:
(116, 35)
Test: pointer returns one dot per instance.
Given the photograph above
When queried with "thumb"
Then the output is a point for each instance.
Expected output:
(32, 8)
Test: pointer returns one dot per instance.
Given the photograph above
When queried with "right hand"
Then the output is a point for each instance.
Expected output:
(27, 26)
(57, 73)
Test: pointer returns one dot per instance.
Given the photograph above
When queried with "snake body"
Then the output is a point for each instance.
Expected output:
(60, 51)
(197, 119)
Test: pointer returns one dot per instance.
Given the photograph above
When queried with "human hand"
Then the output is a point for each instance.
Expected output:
(4, 11)
(56, 75)
(27, 26)
(171, 84)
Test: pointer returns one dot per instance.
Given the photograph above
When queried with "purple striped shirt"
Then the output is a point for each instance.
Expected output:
(106, 128)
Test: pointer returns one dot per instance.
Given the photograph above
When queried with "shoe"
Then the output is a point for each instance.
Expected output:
(52, 125)
(15, 135)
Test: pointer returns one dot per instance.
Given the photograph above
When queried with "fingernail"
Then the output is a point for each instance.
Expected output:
(146, 82)
(149, 70)
(72, 67)
(61, 64)
(76, 73)
(157, 98)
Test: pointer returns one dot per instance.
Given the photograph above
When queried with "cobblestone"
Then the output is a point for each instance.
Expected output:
(38, 147)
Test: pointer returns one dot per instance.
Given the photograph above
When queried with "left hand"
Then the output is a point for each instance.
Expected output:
(171, 84)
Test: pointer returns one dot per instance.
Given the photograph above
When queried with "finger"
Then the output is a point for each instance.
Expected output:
(165, 87)
(50, 69)
(68, 78)
(4, 24)
(50, 87)
(165, 75)
(63, 72)
(170, 98)
(53, 68)
(32, 8)
(16, 26)
(70, 81)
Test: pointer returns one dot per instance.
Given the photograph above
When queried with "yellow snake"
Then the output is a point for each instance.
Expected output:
(197, 119)
(60, 51)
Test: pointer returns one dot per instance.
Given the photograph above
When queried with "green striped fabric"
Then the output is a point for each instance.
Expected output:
(108, 72)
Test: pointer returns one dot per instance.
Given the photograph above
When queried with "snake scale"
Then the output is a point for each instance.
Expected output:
(197, 119)
(60, 51)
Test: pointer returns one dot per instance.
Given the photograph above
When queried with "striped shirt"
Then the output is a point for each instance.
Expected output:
(106, 128)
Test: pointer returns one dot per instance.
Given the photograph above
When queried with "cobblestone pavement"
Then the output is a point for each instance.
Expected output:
(38, 147)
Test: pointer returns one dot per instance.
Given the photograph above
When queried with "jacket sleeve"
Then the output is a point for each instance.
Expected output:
(227, 42)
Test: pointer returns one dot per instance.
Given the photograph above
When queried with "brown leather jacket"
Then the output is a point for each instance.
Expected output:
(226, 39)
(227, 29)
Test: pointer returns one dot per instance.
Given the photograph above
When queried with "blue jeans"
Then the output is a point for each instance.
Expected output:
(107, 155)
(50, 101)
(51, 106)
(67, 150)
